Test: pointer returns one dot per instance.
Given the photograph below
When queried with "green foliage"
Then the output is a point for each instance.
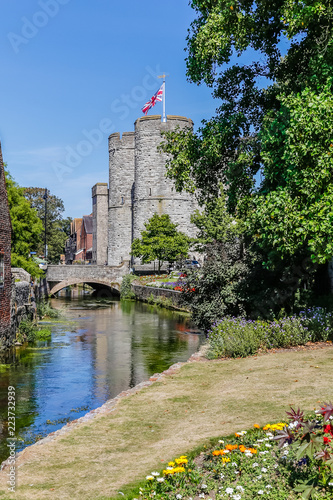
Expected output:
(250, 464)
(292, 212)
(44, 309)
(57, 228)
(160, 241)
(126, 291)
(26, 228)
(160, 301)
(237, 337)
(30, 332)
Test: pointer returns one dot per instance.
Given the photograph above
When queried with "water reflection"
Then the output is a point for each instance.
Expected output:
(101, 348)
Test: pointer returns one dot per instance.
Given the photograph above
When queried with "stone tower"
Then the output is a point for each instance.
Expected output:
(154, 193)
(138, 187)
(100, 203)
(121, 179)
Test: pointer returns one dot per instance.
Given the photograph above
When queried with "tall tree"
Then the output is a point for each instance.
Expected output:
(57, 229)
(161, 241)
(26, 228)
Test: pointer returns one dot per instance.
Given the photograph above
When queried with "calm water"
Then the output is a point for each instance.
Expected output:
(97, 350)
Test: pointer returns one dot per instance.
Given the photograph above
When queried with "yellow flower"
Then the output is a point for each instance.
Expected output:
(171, 464)
(181, 460)
(225, 460)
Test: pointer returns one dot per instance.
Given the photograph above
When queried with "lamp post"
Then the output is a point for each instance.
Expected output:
(45, 242)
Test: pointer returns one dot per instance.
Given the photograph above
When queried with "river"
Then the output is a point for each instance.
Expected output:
(98, 348)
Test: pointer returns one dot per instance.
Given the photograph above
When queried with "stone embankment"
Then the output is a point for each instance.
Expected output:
(171, 298)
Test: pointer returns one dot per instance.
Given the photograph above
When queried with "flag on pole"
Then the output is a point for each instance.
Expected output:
(158, 97)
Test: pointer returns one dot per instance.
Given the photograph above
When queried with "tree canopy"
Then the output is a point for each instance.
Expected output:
(161, 241)
(269, 65)
(26, 228)
(57, 228)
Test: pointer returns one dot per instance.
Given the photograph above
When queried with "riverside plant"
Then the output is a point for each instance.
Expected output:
(286, 460)
(237, 337)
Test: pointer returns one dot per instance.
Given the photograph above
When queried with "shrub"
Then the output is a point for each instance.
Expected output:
(44, 309)
(236, 337)
(287, 332)
(126, 291)
(29, 332)
(319, 322)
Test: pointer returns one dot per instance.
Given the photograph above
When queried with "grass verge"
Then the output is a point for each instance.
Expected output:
(183, 411)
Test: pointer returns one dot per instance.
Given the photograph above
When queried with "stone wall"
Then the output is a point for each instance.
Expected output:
(100, 200)
(23, 307)
(144, 292)
(121, 179)
(20, 274)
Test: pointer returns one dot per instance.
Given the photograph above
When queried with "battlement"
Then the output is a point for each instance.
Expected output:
(157, 118)
(100, 188)
(126, 141)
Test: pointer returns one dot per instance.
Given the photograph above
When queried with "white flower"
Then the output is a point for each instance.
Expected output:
(222, 477)
(234, 464)
(285, 445)
(202, 495)
(221, 441)
(236, 497)
(149, 478)
(292, 425)
(260, 440)
(203, 486)
(330, 484)
(255, 464)
(160, 479)
(259, 477)
(155, 473)
(266, 439)
(268, 445)
(229, 491)
(263, 452)
(179, 496)
(260, 492)
(240, 488)
(248, 454)
(169, 468)
(269, 434)
(263, 469)
(269, 486)
(226, 451)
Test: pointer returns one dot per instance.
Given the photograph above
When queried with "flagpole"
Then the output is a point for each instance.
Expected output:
(164, 119)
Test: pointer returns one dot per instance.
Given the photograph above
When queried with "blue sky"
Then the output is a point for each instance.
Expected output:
(77, 70)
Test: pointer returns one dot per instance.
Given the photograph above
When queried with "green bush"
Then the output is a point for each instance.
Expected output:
(30, 332)
(44, 309)
(236, 337)
(126, 291)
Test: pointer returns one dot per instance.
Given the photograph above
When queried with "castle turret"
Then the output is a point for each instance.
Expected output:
(154, 193)
(100, 202)
(121, 158)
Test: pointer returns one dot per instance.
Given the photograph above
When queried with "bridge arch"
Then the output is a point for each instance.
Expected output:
(114, 287)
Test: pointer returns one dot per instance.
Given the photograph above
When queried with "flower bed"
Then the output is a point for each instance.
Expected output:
(237, 337)
(279, 461)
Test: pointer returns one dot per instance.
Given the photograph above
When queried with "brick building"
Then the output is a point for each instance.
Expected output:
(79, 244)
(5, 269)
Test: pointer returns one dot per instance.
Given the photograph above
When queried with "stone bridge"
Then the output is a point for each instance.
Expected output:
(98, 277)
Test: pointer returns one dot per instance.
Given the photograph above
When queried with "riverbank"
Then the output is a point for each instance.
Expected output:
(171, 414)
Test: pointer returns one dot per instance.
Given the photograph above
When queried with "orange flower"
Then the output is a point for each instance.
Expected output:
(231, 447)
(242, 448)
(216, 453)
(252, 450)
(256, 426)
(237, 435)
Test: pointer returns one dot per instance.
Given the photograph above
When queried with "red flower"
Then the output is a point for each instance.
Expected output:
(328, 429)
(326, 440)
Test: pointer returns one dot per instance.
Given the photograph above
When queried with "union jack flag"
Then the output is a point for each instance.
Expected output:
(156, 98)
